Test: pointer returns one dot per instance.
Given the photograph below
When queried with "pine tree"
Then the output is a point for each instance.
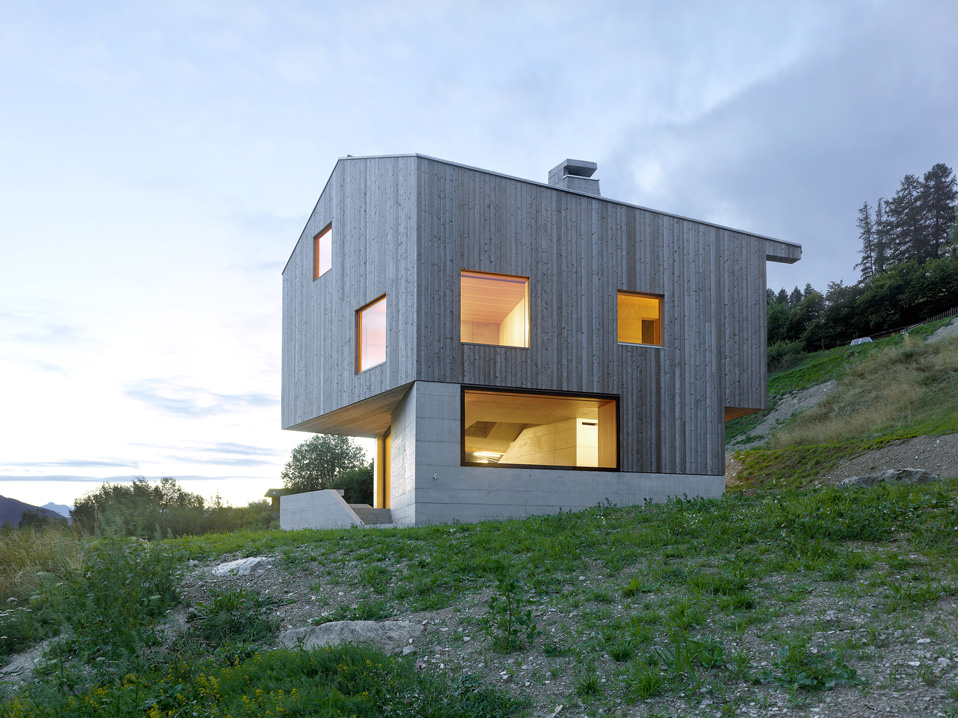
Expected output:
(782, 296)
(939, 194)
(880, 240)
(867, 236)
(906, 221)
(795, 298)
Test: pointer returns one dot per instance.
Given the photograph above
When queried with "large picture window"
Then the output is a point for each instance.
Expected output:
(371, 335)
(323, 252)
(640, 318)
(495, 309)
(521, 429)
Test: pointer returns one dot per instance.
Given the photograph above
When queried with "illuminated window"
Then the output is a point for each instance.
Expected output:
(640, 319)
(522, 429)
(323, 252)
(371, 335)
(495, 309)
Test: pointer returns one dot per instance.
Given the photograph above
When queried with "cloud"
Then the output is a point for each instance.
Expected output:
(74, 463)
(112, 479)
(220, 461)
(169, 397)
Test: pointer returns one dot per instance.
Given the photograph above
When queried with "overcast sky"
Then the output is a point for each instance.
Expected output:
(159, 159)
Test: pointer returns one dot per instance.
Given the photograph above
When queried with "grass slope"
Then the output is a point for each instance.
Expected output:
(896, 388)
(659, 607)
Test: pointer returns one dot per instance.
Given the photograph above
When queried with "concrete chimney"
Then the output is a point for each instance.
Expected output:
(577, 175)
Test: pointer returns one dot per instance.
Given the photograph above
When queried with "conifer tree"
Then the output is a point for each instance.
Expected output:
(795, 298)
(938, 201)
(906, 221)
(867, 236)
(880, 240)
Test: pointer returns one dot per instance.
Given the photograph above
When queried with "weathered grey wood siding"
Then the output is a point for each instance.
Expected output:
(407, 226)
(578, 251)
(372, 205)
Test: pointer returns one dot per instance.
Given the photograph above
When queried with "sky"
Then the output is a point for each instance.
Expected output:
(158, 161)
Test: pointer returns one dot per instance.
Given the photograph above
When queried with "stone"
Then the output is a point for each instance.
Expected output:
(390, 636)
(243, 566)
(407, 650)
(892, 476)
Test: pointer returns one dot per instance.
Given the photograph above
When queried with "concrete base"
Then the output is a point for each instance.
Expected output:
(429, 484)
(316, 510)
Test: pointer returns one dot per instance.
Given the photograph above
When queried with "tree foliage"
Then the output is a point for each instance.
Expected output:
(357, 484)
(162, 509)
(319, 460)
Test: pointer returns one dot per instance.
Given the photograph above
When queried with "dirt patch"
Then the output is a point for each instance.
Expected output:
(790, 405)
(937, 454)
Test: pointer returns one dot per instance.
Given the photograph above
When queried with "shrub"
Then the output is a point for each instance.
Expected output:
(357, 484)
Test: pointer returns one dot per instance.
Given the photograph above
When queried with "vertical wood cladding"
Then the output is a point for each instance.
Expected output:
(408, 226)
(577, 252)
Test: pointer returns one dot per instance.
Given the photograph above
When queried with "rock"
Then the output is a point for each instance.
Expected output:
(407, 650)
(390, 636)
(892, 476)
(242, 567)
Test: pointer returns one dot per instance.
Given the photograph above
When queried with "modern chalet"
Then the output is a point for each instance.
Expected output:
(518, 348)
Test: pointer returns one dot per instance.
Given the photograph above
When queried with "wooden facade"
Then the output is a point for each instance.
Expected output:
(407, 226)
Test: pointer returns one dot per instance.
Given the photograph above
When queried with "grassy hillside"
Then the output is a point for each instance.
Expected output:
(708, 607)
(895, 388)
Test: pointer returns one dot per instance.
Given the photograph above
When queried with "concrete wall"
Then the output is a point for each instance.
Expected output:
(443, 490)
(316, 510)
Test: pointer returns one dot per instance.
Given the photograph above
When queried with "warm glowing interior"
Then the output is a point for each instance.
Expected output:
(511, 428)
(372, 335)
(323, 252)
(640, 319)
(495, 309)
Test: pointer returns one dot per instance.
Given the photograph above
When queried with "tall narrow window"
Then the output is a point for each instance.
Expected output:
(495, 309)
(323, 252)
(371, 335)
(512, 428)
(640, 319)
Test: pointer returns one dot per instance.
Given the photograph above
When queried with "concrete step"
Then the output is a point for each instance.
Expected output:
(370, 515)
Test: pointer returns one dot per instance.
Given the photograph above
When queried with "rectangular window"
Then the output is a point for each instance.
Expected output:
(509, 428)
(323, 252)
(640, 318)
(371, 335)
(495, 309)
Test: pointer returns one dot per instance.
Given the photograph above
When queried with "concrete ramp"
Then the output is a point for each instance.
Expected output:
(324, 509)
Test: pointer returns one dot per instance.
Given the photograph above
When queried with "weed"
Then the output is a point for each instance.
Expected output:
(636, 587)
(588, 684)
(621, 651)
(509, 623)
(644, 681)
(235, 615)
(802, 668)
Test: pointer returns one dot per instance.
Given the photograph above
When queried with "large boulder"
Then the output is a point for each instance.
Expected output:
(390, 636)
(892, 476)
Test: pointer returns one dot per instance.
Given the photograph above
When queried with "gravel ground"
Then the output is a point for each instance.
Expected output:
(909, 667)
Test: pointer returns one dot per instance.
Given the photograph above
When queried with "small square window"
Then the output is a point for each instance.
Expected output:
(494, 309)
(371, 335)
(323, 252)
(640, 318)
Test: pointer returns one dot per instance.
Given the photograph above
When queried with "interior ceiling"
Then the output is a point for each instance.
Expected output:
(488, 298)
(528, 408)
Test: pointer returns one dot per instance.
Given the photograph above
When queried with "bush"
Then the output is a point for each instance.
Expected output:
(162, 510)
(357, 485)
(783, 355)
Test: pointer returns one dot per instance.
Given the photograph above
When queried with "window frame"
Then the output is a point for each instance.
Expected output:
(646, 295)
(463, 388)
(359, 335)
(325, 232)
(528, 301)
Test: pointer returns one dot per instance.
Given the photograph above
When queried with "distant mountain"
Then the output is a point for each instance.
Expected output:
(61, 509)
(12, 510)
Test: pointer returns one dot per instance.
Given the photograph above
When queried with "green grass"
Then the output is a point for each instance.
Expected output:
(897, 388)
(678, 597)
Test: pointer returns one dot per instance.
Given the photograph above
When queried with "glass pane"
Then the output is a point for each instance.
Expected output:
(517, 428)
(495, 309)
(640, 319)
(372, 335)
(323, 251)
